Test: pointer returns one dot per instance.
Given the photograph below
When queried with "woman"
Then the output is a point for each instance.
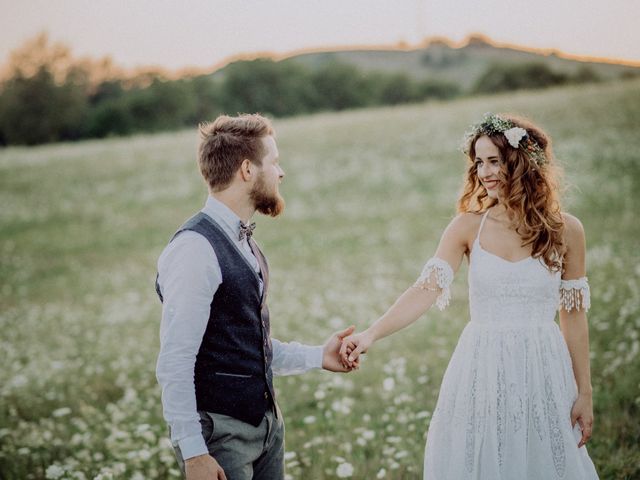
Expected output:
(515, 401)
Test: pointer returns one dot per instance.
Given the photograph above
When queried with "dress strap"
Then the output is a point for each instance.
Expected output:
(484, 217)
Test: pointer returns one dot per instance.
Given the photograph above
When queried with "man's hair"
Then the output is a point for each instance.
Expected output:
(226, 142)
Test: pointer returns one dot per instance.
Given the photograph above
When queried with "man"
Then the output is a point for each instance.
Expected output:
(217, 359)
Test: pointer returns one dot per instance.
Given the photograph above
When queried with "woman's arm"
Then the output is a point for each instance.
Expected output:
(418, 298)
(573, 322)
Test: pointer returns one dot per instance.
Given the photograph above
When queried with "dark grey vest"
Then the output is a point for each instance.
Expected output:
(233, 367)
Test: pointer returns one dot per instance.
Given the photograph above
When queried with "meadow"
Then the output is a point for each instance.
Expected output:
(368, 193)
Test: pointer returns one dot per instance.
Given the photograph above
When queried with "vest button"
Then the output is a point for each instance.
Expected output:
(266, 395)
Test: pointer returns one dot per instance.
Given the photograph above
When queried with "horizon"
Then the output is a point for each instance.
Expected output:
(280, 56)
(426, 43)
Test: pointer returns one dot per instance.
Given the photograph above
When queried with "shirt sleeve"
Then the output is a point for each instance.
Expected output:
(293, 358)
(189, 275)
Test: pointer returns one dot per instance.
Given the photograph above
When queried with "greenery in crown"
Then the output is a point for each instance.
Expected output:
(517, 137)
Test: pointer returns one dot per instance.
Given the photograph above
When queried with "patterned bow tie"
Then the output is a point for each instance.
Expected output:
(246, 230)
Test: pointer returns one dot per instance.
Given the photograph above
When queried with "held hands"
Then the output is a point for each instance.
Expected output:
(203, 467)
(582, 412)
(354, 345)
(331, 359)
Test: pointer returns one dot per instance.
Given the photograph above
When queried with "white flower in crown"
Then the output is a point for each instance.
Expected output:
(514, 135)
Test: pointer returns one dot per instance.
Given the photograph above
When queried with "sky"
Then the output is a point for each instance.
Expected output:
(178, 34)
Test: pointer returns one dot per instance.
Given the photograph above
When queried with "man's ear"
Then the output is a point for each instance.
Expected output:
(247, 170)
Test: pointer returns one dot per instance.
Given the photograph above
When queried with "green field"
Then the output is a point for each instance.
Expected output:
(368, 193)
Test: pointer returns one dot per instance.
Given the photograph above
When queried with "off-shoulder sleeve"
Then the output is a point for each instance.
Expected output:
(575, 294)
(443, 278)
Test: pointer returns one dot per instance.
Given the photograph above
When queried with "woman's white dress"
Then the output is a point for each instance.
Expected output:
(504, 406)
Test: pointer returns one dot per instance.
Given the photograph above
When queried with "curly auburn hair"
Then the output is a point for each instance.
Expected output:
(529, 191)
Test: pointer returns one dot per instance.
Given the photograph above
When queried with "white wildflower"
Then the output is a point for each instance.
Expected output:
(388, 384)
(343, 405)
(61, 412)
(54, 471)
(144, 454)
(368, 434)
(165, 443)
(19, 381)
(142, 428)
(388, 451)
(344, 470)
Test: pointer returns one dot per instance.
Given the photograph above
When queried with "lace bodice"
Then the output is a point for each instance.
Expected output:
(500, 291)
(525, 291)
(503, 291)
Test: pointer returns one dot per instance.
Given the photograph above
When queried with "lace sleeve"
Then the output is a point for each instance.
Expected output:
(443, 279)
(575, 294)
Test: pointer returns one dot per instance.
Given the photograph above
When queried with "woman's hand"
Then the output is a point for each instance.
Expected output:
(582, 412)
(354, 345)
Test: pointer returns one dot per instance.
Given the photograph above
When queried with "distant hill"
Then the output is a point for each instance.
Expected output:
(49, 103)
(439, 60)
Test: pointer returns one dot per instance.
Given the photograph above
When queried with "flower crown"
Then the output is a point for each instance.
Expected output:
(517, 137)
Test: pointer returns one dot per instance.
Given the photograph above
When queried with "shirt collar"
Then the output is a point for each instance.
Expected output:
(224, 215)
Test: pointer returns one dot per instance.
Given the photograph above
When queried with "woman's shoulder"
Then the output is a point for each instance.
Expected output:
(573, 229)
(467, 220)
(465, 225)
(574, 240)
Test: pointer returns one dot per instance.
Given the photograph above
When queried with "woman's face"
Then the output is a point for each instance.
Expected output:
(488, 163)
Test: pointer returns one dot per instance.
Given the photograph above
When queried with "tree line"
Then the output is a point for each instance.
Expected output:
(44, 103)
(39, 109)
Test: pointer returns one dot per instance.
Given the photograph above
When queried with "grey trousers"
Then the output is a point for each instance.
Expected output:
(243, 451)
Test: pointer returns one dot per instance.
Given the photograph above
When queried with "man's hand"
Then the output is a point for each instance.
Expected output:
(331, 352)
(203, 467)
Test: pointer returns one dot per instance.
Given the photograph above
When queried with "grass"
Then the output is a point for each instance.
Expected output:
(368, 194)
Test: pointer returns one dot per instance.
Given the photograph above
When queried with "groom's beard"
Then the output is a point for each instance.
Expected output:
(265, 201)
